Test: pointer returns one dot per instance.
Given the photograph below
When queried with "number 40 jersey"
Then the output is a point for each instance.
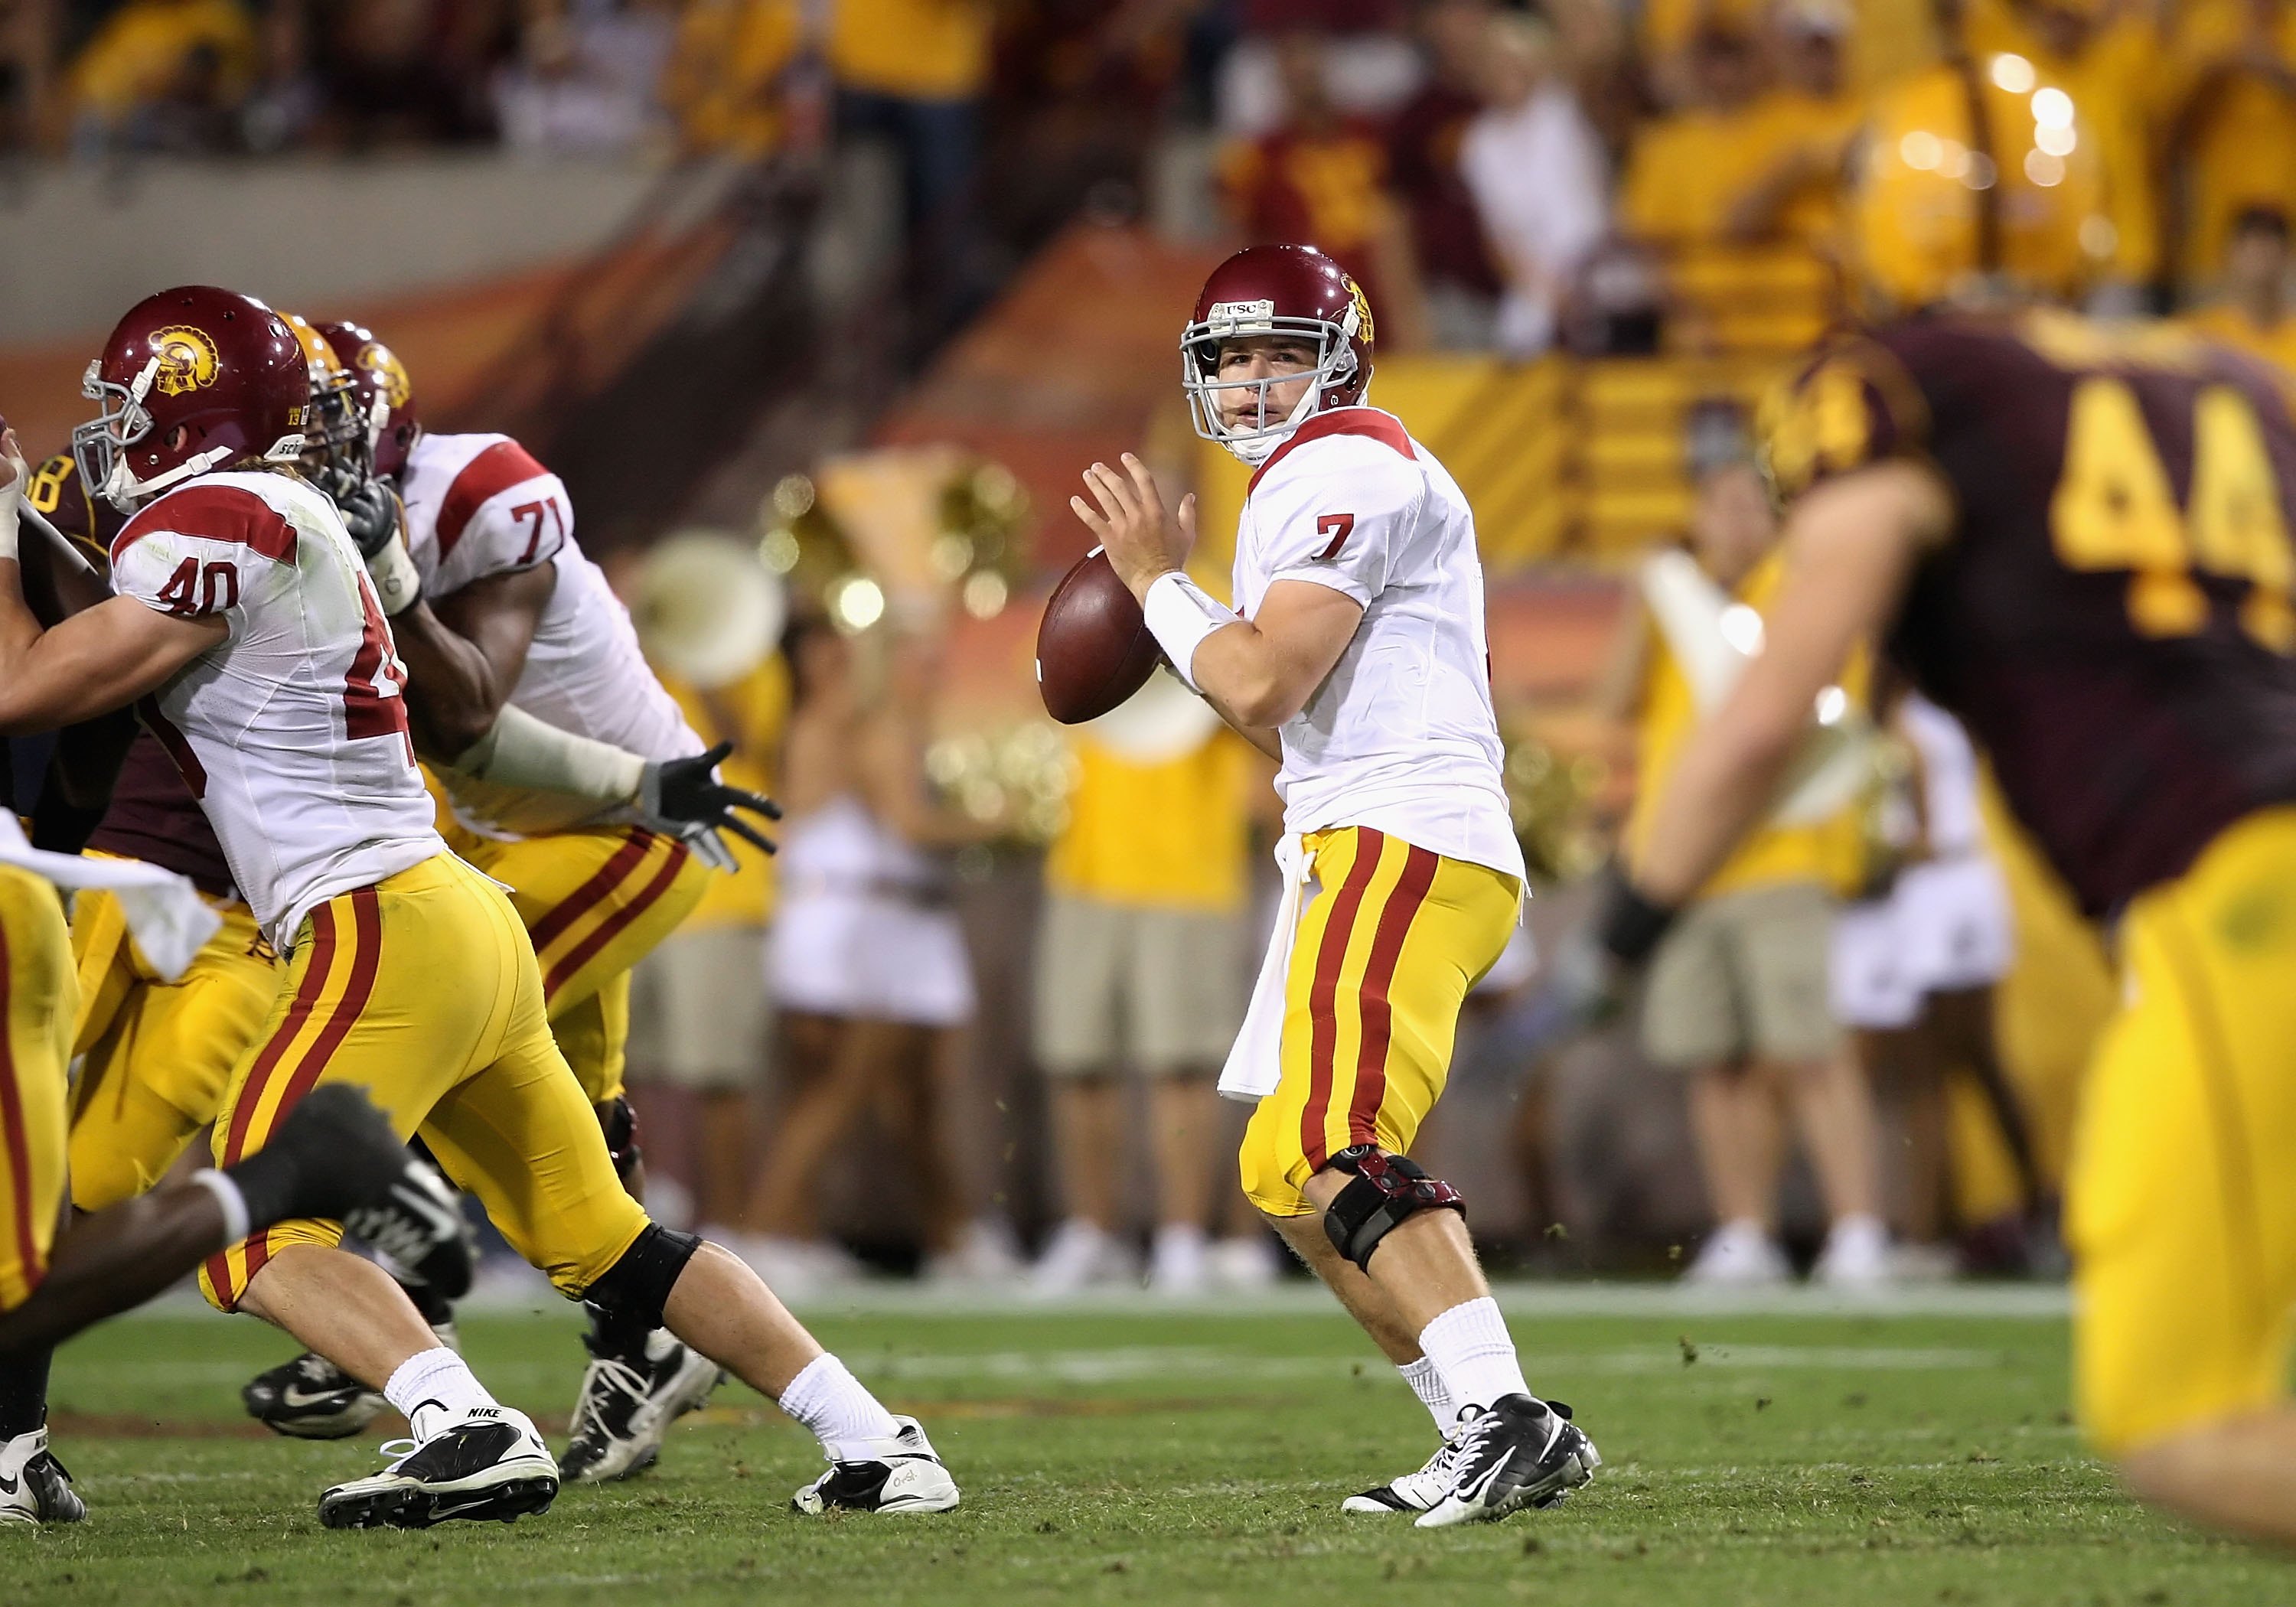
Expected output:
(2111, 615)
(290, 730)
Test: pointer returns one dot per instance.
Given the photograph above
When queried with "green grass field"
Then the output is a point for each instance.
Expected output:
(1129, 1455)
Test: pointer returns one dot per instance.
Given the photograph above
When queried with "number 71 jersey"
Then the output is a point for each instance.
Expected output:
(2111, 614)
(291, 730)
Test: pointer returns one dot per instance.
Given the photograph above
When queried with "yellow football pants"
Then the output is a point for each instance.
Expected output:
(37, 999)
(2181, 1197)
(1384, 956)
(157, 1055)
(424, 990)
(595, 903)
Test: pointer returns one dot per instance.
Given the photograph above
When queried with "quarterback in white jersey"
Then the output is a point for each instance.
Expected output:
(1356, 655)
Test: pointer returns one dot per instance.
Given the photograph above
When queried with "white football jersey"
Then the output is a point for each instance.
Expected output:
(292, 731)
(1402, 735)
(478, 506)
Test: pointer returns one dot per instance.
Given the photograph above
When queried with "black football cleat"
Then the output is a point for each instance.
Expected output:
(488, 1465)
(902, 1475)
(1516, 1453)
(35, 1488)
(627, 1403)
(311, 1398)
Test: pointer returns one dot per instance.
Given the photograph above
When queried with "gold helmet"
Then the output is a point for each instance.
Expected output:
(337, 431)
(1977, 172)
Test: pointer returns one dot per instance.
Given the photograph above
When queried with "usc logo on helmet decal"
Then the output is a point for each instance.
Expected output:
(1363, 310)
(187, 359)
(389, 373)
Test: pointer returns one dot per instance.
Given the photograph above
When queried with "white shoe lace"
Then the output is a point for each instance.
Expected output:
(620, 1375)
(397, 1451)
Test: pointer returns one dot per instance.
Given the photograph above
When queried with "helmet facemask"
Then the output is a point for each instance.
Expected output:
(1256, 436)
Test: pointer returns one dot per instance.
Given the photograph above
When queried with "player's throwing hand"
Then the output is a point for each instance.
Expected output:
(1142, 540)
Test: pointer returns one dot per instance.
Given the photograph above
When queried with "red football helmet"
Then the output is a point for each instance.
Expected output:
(384, 393)
(1276, 289)
(192, 379)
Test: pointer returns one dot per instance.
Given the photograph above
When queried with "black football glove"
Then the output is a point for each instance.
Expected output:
(370, 508)
(684, 797)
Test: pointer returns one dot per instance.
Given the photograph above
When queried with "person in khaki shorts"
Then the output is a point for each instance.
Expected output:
(1142, 962)
(701, 1016)
(1738, 994)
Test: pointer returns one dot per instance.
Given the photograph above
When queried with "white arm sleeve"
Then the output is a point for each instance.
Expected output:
(520, 750)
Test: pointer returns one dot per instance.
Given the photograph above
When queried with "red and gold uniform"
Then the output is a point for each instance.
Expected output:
(2112, 620)
(155, 1056)
(36, 997)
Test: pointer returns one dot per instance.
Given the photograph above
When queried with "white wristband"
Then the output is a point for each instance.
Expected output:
(397, 583)
(235, 1222)
(1180, 615)
(10, 495)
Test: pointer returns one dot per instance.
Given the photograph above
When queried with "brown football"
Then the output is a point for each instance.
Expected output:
(1093, 646)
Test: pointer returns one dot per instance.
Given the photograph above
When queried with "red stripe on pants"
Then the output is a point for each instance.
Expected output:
(591, 894)
(358, 988)
(1379, 975)
(615, 924)
(267, 1065)
(20, 1141)
(1322, 1008)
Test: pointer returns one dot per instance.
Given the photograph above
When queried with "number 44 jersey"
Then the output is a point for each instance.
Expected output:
(2111, 615)
(291, 729)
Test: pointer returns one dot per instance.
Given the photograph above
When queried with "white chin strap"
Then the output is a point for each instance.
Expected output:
(1256, 447)
(123, 491)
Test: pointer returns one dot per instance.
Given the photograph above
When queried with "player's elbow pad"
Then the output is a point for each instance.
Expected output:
(520, 750)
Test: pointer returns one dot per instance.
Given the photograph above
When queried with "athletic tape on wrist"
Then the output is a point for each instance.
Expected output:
(1180, 615)
(397, 583)
(236, 1223)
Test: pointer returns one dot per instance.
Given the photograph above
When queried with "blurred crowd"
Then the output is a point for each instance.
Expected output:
(1499, 176)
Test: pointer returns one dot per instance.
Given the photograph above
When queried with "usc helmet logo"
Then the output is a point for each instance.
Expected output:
(389, 373)
(187, 359)
(1363, 310)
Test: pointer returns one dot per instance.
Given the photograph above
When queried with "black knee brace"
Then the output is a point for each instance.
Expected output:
(1382, 1191)
(619, 1124)
(638, 1286)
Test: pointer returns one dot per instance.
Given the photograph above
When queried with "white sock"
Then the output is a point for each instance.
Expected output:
(1469, 1346)
(1426, 1381)
(433, 1388)
(842, 1414)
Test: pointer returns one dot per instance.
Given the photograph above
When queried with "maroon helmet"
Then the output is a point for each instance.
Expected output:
(192, 379)
(383, 392)
(1276, 289)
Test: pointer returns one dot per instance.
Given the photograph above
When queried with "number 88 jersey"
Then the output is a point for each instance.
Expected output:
(291, 730)
(2111, 615)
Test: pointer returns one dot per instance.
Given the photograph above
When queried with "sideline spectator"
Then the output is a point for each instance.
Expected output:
(1803, 128)
(1424, 146)
(1537, 173)
(1320, 178)
(914, 73)
(2233, 140)
(1686, 170)
(1738, 995)
(869, 965)
(582, 84)
(2109, 60)
(2251, 310)
(164, 75)
(408, 71)
(1141, 964)
(731, 71)
(702, 1022)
